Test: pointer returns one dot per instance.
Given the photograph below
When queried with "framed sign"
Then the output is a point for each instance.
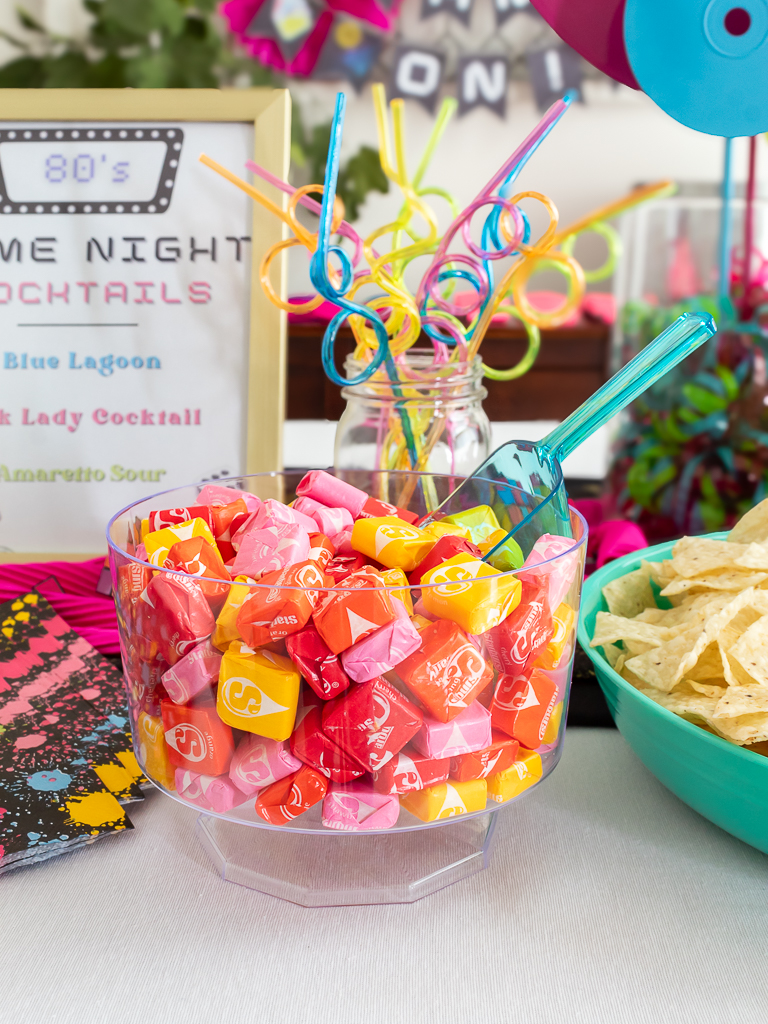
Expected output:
(137, 349)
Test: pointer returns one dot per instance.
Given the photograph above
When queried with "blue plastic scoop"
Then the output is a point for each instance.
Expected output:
(522, 481)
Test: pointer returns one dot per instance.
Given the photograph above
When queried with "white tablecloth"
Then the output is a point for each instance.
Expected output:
(607, 901)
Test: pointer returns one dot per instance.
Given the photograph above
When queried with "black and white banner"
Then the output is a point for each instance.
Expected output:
(553, 72)
(482, 82)
(416, 75)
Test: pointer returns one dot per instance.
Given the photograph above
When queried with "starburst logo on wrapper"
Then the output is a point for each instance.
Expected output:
(465, 663)
(188, 741)
(386, 534)
(520, 699)
(242, 697)
(455, 579)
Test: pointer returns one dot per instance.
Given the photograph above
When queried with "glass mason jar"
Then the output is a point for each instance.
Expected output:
(437, 424)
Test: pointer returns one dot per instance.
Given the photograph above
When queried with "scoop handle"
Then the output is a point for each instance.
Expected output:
(680, 339)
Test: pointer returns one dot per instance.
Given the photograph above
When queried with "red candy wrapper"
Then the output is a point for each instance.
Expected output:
(197, 738)
(410, 770)
(321, 669)
(517, 641)
(311, 745)
(372, 722)
(375, 509)
(501, 755)
(268, 615)
(197, 557)
(172, 516)
(132, 580)
(350, 614)
(176, 615)
(447, 673)
(522, 706)
(226, 520)
(342, 566)
(287, 798)
(445, 548)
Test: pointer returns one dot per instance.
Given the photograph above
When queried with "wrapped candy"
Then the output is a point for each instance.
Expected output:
(563, 622)
(207, 791)
(500, 755)
(375, 509)
(391, 542)
(180, 615)
(287, 798)
(258, 691)
(329, 520)
(383, 650)
(258, 762)
(192, 673)
(471, 593)
(447, 672)
(196, 557)
(226, 630)
(226, 520)
(553, 727)
(440, 529)
(469, 731)
(215, 494)
(557, 575)
(356, 807)
(344, 616)
(341, 566)
(319, 666)
(505, 558)
(393, 578)
(409, 770)
(481, 522)
(372, 722)
(329, 490)
(312, 746)
(522, 706)
(153, 751)
(284, 608)
(275, 513)
(446, 799)
(517, 641)
(445, 548)
(132, 581)
(524, 773)
(157, 545)
(174, 516)
(197, 738)
(321, 550)
(274, 547)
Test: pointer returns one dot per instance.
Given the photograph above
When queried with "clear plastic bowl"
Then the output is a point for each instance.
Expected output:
(302, 859)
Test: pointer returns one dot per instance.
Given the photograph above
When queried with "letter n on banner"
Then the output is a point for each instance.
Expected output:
(553, 72)
(483, 82)
(416, 75)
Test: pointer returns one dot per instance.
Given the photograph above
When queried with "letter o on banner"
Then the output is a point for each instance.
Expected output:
(417, 74)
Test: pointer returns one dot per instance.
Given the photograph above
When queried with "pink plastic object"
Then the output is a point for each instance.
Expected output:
(595, 29)
(330, 491)
(382, 650)
(258, 762)
(213, 793)
(471, 730)
(356, 807)
(192, 673)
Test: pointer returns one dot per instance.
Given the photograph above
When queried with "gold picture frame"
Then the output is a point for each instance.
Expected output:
(270, 112)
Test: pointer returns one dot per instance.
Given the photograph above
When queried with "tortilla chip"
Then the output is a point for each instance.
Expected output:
(752, 527)
(755, 557)
(742, 730)
(661, 573)
(709, 665)
(717, 623)
(697, 556)
(629, 595)
(725, 579)
(611, 653)
(710, 689)
(686, 701)
(742, 700)
(660, 668)
(610, 628)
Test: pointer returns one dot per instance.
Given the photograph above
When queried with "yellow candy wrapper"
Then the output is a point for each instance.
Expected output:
(524, 773)
(392, 542)
(226, 625)
(446, 799)
(440, 528)
(258, 691)
(153, 750)
(158, 544)
(471, 593)
(393, 577)
(481, 522)
(563, 622)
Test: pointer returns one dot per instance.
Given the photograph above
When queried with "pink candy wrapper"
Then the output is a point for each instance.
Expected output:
(355, 807)
(273, 548)
(258, 762)
(330, 521)
(327, 490)
(343, 542)
(557, 575)
(272, 513)
(213, 793)
(469, 731)
(382, 650)
(192, 673)
(213, 494)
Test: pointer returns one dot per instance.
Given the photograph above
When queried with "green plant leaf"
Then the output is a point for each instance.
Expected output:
(24, 73)
(141, 17)
(27, 21)
(704, 400)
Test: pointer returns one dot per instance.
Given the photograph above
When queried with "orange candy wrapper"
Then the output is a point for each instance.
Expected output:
(524, 773)
(501, 755)
(158, 544)
(522, 707)
(287, 798)
(285, 608)
(447, 672)
(197, 557)
(353, 612)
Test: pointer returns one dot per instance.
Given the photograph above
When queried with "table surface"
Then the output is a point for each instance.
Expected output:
(607, 900)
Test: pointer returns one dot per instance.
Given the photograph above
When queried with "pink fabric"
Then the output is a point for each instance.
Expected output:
(608, 538)
(88, 613)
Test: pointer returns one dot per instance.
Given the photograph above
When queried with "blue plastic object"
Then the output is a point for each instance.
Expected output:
(522, 480)
(705, 62)
(724, 783)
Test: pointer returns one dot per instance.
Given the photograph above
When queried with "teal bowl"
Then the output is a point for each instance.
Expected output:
(723, 782)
